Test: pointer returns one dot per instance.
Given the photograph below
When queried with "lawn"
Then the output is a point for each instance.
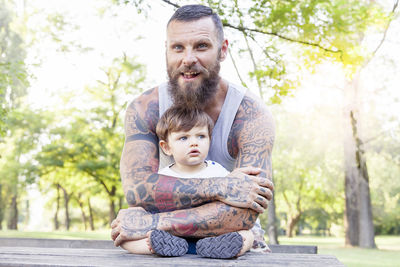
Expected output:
(388, 253)
(99, 235)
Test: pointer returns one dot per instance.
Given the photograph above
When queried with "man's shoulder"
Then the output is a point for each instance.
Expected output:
(147, 99)
(252, 104)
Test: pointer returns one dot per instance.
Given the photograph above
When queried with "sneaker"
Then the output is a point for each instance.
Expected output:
(220, 247)
(165, 244)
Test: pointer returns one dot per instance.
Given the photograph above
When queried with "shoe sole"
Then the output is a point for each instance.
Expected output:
(221, 247)
(165, 244)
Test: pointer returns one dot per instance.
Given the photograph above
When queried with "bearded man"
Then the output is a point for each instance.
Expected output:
(242, 142)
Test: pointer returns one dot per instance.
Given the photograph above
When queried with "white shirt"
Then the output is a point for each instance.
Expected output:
(212, 169)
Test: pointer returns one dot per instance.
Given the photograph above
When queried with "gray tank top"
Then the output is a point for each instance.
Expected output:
(218, 149)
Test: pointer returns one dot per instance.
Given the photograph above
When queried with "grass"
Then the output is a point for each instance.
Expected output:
(388, 253)
(97, 235)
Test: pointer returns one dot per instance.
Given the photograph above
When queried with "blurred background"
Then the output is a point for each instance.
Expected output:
(329, 71)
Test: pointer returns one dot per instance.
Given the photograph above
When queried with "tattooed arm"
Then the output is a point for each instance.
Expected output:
(145, 188)
(211, 219)
(195, 205)
(251, 140)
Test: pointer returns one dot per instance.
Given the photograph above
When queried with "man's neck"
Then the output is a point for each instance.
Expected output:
(214, 107)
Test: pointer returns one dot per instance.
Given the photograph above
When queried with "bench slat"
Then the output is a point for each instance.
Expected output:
(108, 244)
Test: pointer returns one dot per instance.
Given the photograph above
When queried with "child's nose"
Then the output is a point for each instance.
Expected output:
(193, 142)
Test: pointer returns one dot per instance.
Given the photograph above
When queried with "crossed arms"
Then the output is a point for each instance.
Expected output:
(193, 207)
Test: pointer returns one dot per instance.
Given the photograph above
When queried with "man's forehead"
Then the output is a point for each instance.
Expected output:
(202, 27)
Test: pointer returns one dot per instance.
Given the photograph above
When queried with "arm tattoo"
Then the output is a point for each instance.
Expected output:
(219, 219)
(139, 222)
(164, 198)
(252, 136)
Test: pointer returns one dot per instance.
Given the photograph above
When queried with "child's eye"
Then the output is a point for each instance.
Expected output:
(202, 136)
(183, 138)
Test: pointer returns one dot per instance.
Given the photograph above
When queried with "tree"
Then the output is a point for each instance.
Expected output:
(13, 84)
(87, 149)
(315, 30)
(13, 75)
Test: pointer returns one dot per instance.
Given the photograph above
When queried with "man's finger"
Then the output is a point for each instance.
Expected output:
(262, 201)
(114, 233)
(114, 223)
(118, 241)
(249, 170)
(255, 206)
(265, 192)
(264, 182)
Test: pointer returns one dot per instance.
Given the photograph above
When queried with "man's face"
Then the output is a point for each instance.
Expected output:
(193, 54)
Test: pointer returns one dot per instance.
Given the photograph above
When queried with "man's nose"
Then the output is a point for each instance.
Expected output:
(189, 59)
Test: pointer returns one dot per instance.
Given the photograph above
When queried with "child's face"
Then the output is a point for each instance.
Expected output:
(188, 148)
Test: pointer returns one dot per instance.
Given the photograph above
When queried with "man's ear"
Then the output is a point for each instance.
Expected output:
(165, 148)
(224, 50)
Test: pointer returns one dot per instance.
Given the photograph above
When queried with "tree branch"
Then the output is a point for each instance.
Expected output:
(170, 3)
(245, 29)
(384, 34)
(236, 68)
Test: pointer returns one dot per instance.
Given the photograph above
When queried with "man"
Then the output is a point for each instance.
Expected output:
(242, 142)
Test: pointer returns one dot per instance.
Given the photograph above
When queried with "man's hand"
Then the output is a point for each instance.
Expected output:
(243, 189)
(132, 224)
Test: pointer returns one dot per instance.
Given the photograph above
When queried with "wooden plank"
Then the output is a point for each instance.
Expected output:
(36, 256)
(108, 244)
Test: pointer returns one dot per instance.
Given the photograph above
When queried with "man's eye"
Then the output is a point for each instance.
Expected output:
(177, 47)
(202, 46)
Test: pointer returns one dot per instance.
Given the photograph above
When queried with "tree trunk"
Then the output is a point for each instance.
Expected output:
(358, 216)
(366, 226)
(1, 207)
(292, 221)
(91, 221)
(28, 213)
(56, 222)
(272, 229)
(12, 223)
(84, 219)
(66, 204)
(112, 214)
(121, 203)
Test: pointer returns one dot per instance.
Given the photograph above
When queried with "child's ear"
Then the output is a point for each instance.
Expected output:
(165, 148)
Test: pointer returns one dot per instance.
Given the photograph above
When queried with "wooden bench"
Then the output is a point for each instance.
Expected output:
(61, 252)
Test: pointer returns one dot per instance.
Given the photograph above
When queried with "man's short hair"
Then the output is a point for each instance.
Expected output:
(178, 118)
(196, 12)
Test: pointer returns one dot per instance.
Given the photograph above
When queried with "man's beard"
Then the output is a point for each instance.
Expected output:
(191, 96)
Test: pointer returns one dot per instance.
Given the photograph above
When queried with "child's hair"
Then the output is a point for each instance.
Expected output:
(178, 118)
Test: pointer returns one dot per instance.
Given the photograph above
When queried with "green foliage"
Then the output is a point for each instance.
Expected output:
(385, 192)
(13, 75)
(275, 32)
(84, 152)
(307, 169)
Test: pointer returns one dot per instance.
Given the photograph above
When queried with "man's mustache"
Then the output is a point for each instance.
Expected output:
(194, 68)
